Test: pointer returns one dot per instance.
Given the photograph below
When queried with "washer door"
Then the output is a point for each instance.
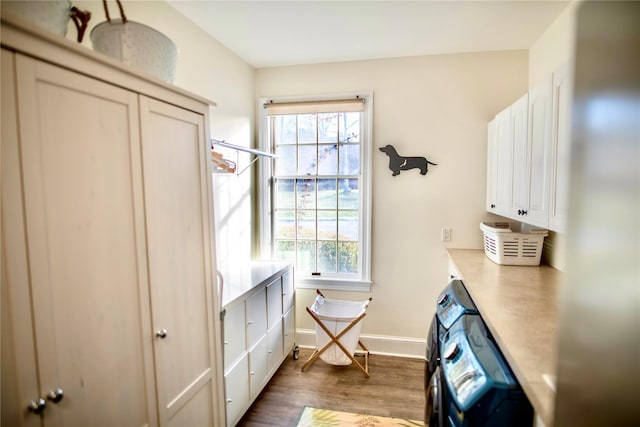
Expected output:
(431, 359)
(433, 415)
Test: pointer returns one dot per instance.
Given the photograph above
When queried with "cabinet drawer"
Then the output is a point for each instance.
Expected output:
(274, 302)
(274, 347)
(256, 317)
(257, 366)
(234, 333)
(289, 329)
(288, 291)
(237, 389)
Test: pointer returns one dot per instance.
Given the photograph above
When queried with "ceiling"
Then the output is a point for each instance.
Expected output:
(277, 33)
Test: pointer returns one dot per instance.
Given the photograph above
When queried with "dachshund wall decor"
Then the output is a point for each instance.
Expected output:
(399, 163)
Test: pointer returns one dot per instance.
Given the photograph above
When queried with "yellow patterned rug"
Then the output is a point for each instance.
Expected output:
(314, 417)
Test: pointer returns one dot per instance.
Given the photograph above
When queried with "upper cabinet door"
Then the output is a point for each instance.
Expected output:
(81, 171)
(537, 188)
(179, 237)
(504, 162)
(520, 169)
(492, 165)
(560, 152)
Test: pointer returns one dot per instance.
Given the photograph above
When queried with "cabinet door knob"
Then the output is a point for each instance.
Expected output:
(492, 206)
(37, 406)
(56, 395)
(161, 333)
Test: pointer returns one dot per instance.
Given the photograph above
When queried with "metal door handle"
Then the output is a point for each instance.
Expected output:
(37, 406)
(162, 333)
(55, 396)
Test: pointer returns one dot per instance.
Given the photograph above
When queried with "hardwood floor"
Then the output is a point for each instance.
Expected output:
(395, 388)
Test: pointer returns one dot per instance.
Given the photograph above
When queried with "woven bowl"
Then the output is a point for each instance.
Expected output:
(137, 45)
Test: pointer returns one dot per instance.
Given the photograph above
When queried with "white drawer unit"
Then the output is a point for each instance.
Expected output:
(259, 332)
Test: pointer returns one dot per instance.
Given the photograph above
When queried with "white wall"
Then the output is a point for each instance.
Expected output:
(207, 68)
(433, 106)
(554, 47)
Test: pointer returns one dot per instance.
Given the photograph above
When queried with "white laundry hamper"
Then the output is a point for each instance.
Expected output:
(338, 326)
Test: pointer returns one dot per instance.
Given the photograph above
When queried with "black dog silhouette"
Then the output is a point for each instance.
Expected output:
(399, 163)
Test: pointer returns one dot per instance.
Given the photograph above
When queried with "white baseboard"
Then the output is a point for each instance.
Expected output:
(377, 344)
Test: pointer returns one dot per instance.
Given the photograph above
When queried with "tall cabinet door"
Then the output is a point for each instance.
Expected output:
(178, 235)
(84, 224)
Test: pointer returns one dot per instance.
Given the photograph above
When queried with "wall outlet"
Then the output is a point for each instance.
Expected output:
(446, 234)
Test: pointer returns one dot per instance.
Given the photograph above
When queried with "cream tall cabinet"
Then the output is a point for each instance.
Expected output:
(107, 244)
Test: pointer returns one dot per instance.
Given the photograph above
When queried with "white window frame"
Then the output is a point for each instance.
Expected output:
(265, 194)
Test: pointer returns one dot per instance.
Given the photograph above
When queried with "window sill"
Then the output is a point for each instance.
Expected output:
(333, 284)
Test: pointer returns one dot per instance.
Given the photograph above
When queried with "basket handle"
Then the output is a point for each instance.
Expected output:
(81, 19)
(106, 11)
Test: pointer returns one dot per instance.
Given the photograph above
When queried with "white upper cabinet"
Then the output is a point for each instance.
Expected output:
(528, 156)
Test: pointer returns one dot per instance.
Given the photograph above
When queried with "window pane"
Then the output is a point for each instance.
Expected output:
(306, 224)
(284, 129)
(349, 124)
(327, 257)
(348, 225)
(306, 129)
(348, 194)
(286, 250)
(328, 159)
(286, 161)
(285, 194)
(347, 257)
(328, 127)
(327, 195)
(327, 225)
(306, 260)
(307, 159)
(284, 224)
(306, 197)
(349, 159)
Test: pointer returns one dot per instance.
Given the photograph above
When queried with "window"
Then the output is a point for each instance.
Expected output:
(317, 197)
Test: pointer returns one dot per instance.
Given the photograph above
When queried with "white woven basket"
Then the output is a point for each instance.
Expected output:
(137, 45)
(508, 243)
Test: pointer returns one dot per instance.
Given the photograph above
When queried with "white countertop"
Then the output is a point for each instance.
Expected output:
(520, 307)
(239, 281)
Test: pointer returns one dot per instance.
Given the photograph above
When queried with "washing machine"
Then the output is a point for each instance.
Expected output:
(453, 302)
(475, 386)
